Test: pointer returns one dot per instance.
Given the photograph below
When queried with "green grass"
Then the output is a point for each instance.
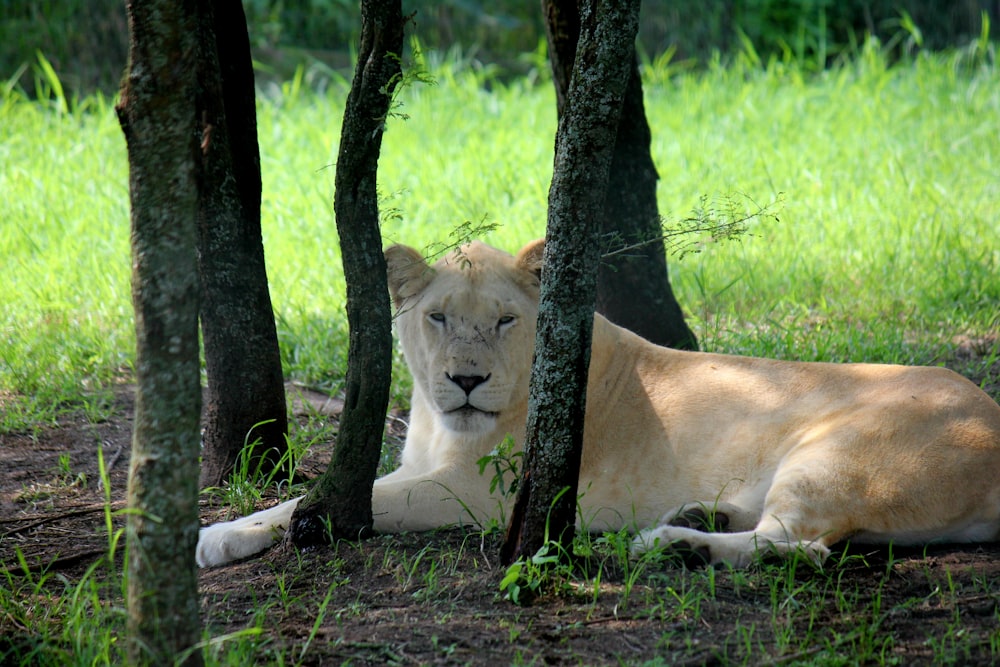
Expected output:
(888, 244)
(884, 181)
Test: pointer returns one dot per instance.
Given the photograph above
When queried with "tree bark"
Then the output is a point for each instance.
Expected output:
(157, 116)
(633, 288)
(340, 504)
(545, 507)
(246, 394)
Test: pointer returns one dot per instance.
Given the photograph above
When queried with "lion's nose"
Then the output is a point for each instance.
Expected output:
(468, 382)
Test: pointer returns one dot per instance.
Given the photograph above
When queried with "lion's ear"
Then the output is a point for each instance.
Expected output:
(529, 257)
(407, 272)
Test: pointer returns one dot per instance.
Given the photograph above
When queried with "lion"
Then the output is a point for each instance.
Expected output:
(774, 456)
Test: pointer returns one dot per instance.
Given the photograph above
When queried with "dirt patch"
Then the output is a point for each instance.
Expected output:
(435, 599)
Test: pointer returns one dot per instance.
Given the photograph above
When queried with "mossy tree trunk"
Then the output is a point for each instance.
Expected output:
(341, 500)
(545, 507)
(633, 287)
(246, 394)
(157, 116)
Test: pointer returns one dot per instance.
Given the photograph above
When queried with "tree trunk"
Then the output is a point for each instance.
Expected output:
(157, 116)
(246, 395)
(633, 288)
(340, 504)
(545, 507)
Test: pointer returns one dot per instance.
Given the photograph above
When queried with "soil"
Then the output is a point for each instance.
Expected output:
(434, 598)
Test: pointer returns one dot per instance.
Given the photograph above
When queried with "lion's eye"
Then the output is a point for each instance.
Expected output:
(506, 320)
(436, 318)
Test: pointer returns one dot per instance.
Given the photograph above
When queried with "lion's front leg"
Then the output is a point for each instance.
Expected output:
(232, 540)
(401, 501)
(435, 499)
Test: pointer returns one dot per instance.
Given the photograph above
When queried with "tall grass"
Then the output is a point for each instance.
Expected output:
(887, 245)
(888, 241)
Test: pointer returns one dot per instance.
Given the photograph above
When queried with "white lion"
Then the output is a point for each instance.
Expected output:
(778, 455)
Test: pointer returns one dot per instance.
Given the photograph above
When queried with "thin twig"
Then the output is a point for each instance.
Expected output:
(114, 459)
(41, 519)
(704, 220)
(55, 564)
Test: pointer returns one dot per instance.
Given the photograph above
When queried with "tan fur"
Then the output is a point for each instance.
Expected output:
(797, 456)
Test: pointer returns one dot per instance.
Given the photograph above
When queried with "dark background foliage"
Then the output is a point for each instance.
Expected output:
(85, 40)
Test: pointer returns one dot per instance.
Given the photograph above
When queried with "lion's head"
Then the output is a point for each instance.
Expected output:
(467, 328)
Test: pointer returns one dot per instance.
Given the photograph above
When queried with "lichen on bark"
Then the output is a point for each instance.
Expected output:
(545, 507)
(157, 116)
(340, 504)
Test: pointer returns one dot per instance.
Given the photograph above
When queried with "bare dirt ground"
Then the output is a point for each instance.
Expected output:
(434, 598)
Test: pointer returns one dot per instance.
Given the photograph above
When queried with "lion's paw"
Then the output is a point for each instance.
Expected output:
(685, 545)
(700, 518)
(736, 549)
(225, 542)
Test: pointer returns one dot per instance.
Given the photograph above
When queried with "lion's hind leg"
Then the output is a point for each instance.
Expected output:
(712, 517)
(713, 533)
(736, 549)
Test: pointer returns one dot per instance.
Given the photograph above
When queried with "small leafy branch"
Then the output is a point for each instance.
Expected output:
(714, 220)
(409, 74)
(388, 211)
(458, 237)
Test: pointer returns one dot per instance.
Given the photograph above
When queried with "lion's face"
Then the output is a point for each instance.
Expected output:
(467, 328)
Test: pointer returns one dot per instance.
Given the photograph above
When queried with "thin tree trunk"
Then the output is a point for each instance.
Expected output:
(340, 504)
(545, 507)
(157, 116)
(246, 392)
(633, 289)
